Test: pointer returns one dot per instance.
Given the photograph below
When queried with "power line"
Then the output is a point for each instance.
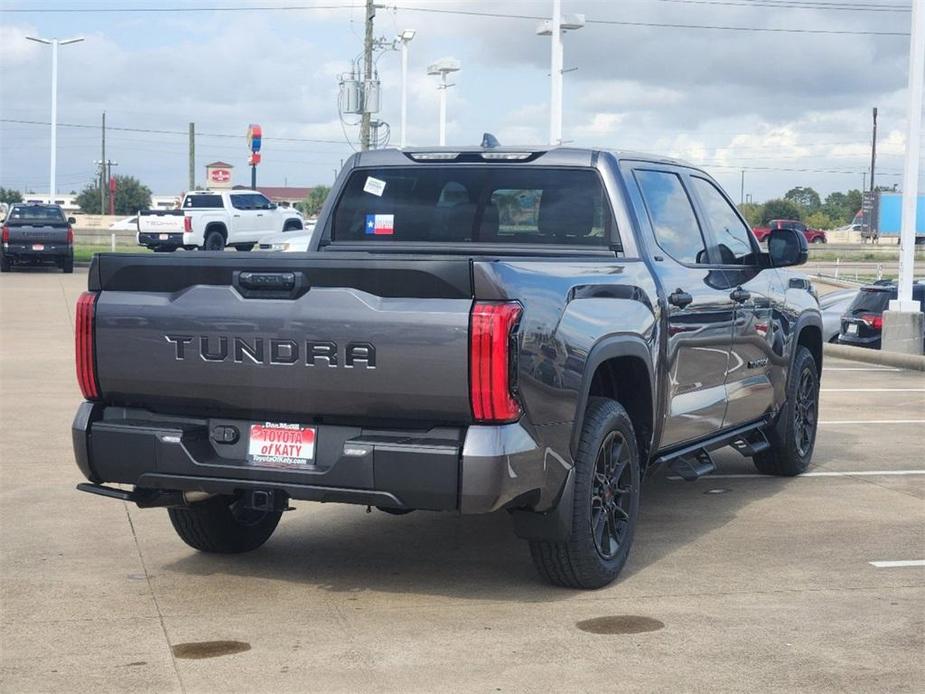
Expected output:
(467, 13)
(797, 5)
(168, 132)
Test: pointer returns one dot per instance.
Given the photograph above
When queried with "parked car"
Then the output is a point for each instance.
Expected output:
(127, 224)
(211, 220)
(833, 306)
(563, 326)
(289, 241)
(812, 235)
(862, 324)
(37, 234)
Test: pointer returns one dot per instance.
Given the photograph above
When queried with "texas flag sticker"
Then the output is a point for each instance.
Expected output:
(380, 224)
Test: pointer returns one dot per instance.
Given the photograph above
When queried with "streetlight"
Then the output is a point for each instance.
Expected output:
(442, 68)
(555, 28)
(404, 39)
(54, 43)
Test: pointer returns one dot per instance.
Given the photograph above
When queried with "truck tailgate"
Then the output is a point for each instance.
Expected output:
(161, 221)
(299, 337)
(40, 233)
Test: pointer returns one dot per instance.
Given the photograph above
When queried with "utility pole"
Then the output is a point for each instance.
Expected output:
(555, 82)
(112, 198)
(742, 189)
(102, 169)
(192, 156)
(873, 154)
(367, 72)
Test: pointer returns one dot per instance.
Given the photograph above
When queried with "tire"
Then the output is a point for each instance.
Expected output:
(292, 226)
(793, 435)
(67, 265)
(818, 239)
(5, 264)
(244, 247)
(163, 249)
(214, 241)
(588, 558)
(220, 525)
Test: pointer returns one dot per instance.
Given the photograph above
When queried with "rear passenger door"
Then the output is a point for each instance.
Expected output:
(749, 386)
(699, 310)
(244, 220)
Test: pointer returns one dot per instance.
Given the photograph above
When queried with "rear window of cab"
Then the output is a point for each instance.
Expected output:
(458, 203)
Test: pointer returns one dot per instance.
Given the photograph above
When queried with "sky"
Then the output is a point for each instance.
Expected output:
(788, 108)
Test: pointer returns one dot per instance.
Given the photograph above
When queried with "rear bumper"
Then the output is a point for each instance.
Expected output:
(49, 252)
(474, 469)
(872, 342)
(161, 240)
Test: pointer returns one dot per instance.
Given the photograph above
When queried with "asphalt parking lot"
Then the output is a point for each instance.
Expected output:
(735, 582)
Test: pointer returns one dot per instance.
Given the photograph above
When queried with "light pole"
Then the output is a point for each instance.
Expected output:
(54, 43)
(903, 322)
(555, 28)
(404, 39)
(442, 68)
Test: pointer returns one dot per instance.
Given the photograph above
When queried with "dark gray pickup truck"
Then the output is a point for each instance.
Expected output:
(37, 234)
(472, 330)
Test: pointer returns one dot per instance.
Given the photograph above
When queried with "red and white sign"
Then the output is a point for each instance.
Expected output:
(281, 445)
(219, 175)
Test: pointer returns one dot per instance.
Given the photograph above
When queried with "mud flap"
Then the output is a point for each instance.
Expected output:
(554, 525)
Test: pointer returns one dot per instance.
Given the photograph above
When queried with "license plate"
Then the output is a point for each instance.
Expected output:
(38, 246)
(163, 237)
(281, 445)
(852, 328)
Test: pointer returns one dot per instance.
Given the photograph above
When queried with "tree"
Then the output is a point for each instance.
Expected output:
(804, 197)
(820, 220)
(131, 196)
(8, 195)
(312, 203)
(751, 211)
(780, 209)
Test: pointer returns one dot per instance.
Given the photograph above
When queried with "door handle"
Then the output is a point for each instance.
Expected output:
(680, 298)
(740, 296)
(237, 215)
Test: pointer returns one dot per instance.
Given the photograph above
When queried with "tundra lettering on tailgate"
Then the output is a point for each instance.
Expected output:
(273, 351)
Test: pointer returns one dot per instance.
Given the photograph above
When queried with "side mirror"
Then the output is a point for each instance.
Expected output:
(272, 206)
(787, 247)
(71, 220)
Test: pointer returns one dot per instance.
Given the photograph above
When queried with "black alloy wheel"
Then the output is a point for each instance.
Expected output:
(611, 492)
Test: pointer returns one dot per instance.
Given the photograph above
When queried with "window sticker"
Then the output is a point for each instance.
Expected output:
(380, 224)
(375, 186)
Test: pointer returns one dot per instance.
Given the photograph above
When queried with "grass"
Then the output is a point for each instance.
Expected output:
(859, 256)
(83, 254)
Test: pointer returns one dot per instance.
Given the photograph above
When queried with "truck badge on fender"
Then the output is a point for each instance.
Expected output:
(273, 351)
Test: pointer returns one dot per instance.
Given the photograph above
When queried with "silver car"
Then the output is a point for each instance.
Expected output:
(833, 307)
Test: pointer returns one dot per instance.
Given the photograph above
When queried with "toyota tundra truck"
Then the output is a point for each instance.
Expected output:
(211, 220)
(36, 234)
(472, 330)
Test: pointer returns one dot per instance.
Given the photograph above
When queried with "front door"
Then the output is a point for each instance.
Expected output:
(700, 310)
(749, 388)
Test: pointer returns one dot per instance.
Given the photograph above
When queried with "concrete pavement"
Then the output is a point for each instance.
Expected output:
(742, 582)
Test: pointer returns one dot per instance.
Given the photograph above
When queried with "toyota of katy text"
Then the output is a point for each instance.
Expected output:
(212, 220)
(471, 330)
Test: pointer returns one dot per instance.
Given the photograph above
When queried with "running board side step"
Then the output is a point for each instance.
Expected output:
(694, 461)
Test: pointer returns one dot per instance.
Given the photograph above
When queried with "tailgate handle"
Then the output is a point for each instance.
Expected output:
(267, 280)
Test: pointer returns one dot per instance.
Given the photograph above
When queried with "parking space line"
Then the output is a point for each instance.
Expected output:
(872, 390)
(897, 564)
(873, 421)
(846, 473)
(857, 368)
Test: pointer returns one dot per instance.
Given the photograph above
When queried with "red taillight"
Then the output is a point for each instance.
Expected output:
(6, 234)
(187, 224)
(84, 346)
(70, 235)
(872, 320)
(490, 341)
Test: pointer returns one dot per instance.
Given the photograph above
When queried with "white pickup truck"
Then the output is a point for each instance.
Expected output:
(212, 220)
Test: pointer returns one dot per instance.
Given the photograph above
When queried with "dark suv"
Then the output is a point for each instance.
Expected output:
(862, 324)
